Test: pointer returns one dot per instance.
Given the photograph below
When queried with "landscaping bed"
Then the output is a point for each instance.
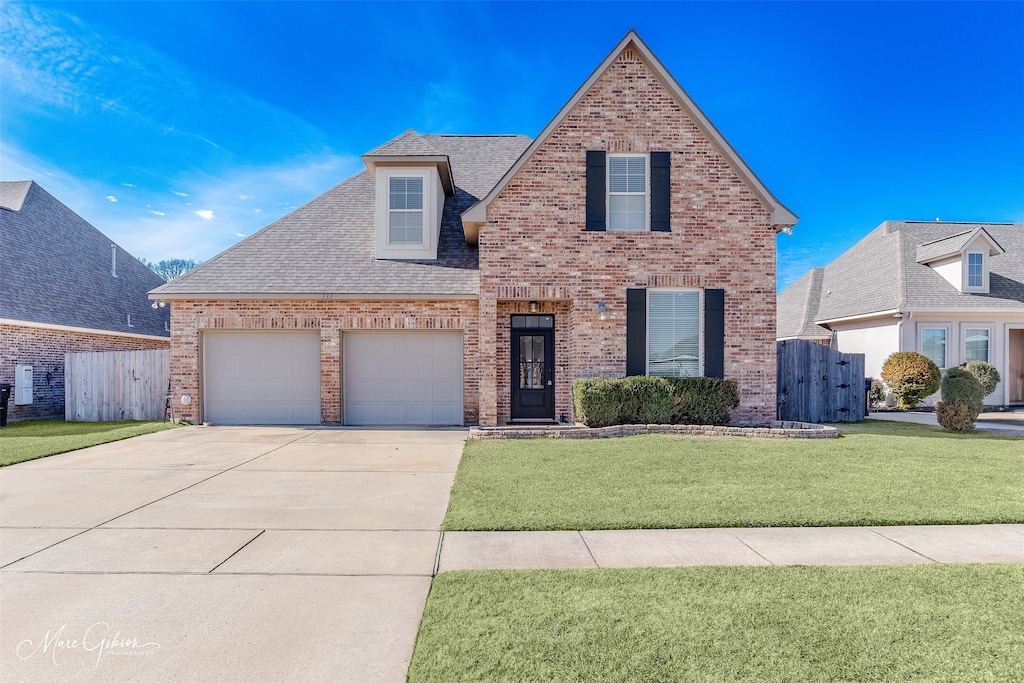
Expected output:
(875, 473)
(21, 441)
(935, 623)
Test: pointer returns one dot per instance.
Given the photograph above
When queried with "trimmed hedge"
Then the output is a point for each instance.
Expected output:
(654, 400)
(911, 376)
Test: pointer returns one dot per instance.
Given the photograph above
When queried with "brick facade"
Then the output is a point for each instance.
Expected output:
(43, 348)
(534, 242)
(190, 318)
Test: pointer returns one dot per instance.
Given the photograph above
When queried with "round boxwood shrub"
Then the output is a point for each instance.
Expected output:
(985, 373)
(960, 386)
(911, 376)
(954, 415)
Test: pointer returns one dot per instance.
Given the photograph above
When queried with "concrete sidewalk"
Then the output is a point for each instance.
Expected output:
(740, 546)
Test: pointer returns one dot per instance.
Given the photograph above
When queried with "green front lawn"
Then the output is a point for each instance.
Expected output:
(21, 441)
(876, 472)
(922, 623)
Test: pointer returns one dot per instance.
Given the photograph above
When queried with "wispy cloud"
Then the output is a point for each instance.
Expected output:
(128, 184)
(205, 214)
(180, 194)
(111, 198)
(157, 213)
(240, 234)
(243, 196)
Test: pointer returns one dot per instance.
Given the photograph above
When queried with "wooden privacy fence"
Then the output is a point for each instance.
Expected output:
(819, 384)
(109, 386)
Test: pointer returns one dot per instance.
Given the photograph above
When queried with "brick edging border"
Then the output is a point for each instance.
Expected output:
(776, 430)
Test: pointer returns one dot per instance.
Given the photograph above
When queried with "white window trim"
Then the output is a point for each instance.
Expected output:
(700, 326)
(431, 214)
(921, 327)
(608, 190)
(990, 328)
(983, 287)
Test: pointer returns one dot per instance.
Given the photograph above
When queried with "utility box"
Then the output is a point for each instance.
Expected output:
(23, 385)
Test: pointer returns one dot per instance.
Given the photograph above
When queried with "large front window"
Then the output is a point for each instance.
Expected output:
(673, 333)
(933, 344)
(976, 345)
(627, 193)
(405, 210)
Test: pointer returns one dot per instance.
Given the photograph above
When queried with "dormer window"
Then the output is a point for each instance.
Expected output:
(975, 270)
(405, 210)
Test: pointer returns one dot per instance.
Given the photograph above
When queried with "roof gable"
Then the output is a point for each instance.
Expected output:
(929, 252)
(55, 268)
(781, 216)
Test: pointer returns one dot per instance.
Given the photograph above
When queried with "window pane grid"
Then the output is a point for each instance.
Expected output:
(405, 210)
(673, 334)
(933, 345)
(976, 345)
(974, 270)
(627, 193)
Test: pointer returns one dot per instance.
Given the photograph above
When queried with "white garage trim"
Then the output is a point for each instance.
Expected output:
(402, 378)
(261, 376)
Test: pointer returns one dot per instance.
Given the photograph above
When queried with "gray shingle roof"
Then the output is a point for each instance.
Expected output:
(929, 251)
(409, 143)
(796, 307)
(881, 272)
(327, 246)
(55, 269)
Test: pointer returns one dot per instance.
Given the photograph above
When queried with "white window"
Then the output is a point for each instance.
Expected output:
(975, 269)
(674, 333)
(976, 344)
(627, 192)
(405, 210)
(933, 344)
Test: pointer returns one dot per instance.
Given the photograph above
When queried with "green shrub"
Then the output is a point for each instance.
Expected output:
(985, 373)
(654, 400)
(876, 394)
(596, 402)
(703, 400)
(954, 415)
(960, 386)
(645, 400)
(911, 376)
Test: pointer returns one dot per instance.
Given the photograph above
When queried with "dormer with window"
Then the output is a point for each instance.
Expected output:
(962, 259)
(411, 182)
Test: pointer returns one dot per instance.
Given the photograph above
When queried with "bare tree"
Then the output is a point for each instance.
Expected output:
(169, 269)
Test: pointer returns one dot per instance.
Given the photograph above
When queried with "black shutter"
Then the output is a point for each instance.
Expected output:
(714, 333)
(636, 332)
(661, 191)
(596, 200)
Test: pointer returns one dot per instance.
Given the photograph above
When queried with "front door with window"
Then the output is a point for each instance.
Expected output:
(533, 367)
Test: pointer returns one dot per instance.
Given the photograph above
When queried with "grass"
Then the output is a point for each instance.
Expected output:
(927, 623)
(875, 473)
(21, 441)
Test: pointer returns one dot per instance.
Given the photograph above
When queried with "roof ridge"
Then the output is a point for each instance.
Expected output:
(948, 237)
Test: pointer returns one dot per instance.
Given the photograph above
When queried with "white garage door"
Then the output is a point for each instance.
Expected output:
(403, 378)
(261, 377)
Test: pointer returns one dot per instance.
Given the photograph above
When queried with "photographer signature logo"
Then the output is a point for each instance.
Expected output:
(96, 639)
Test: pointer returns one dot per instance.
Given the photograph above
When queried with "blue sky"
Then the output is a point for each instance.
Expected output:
(179, 128)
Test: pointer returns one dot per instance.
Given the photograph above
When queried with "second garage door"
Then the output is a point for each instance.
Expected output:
(403, 378)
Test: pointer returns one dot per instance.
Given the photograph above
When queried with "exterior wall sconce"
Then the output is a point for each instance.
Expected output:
(602, 311)
(158, 304)
(533, 307)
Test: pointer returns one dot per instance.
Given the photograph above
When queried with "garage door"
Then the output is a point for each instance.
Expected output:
(261, 377)
(403, 378)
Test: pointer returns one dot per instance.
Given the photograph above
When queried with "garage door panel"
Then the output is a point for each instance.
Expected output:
(261, 377)
(403, 378)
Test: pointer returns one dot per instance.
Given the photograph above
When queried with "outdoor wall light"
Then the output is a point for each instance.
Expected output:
(533, 306)
(158, 304)
(602, 311)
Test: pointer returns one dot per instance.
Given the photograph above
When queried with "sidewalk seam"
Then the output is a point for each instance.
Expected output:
(751, 549)
(589, 551)
(437, 555)
(893, 540)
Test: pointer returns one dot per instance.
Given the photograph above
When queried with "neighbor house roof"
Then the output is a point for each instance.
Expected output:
(797, 306)
(327, 247)
(781, 216)
(55, 268)
(881, 273)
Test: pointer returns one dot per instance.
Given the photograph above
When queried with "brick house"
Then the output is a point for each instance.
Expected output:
(472, 279)
(64, 288)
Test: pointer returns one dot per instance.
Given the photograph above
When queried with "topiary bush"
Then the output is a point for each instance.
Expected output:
(654, 400)
(954, 416)
(985, 373)
(960, 386)
(910, 376)
(876, 394)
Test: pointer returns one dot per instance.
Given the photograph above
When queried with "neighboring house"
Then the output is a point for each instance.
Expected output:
(952, 291)
(472, 279)
(64, 287)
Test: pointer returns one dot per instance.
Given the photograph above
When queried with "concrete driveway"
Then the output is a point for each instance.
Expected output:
(223, 554)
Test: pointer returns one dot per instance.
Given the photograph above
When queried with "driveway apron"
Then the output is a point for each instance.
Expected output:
(223, 554)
